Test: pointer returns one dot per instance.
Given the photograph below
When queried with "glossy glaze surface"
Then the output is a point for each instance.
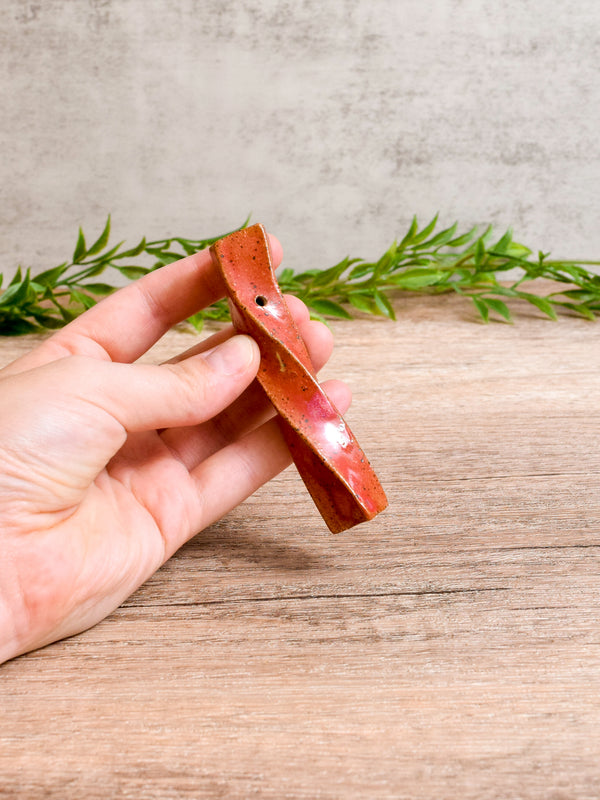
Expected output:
(335, 470)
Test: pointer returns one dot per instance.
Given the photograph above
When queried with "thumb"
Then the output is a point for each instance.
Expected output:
(60, 423)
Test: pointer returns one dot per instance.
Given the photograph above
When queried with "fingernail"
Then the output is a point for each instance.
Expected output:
(233, 356)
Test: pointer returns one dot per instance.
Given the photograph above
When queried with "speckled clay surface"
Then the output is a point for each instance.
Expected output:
(334, 468)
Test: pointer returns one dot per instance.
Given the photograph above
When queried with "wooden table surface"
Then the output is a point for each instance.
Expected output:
(449, 649)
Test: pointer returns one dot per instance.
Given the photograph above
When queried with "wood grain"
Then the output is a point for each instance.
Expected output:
(449, 649)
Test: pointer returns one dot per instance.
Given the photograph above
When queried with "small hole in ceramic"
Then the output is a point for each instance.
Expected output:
(260, 300)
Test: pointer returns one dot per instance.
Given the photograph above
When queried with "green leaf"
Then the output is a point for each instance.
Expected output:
(481, 307)
(307, 274)
(545, 306)
(65, 312)
(363, 269)
(502, 244)
(580, 294)
(89, 272)
(585, 311)
(132, 272)
(98, 288)
(517, 250)
(385, 263)
(330, 275)
(157, 251)
(17, 293)
(383, 305)
(111, 254)
(486, 277)
(189, 247)
(285, 276)
(17, 327)
(499, 307)
(578, 309)
(420, 237)
(46, 320)
(217, 311)
(17, 277)
(102, 240)
(79, 252)
(443, 237)
(414, 227)
(84, 299)
(486, 235)
(50, 276)
(571, 271)
(196, 321)
(135, 251)
(328, 308)
(464, 239)
(362, 302)
(500, 263)
(480, 252)
(166, 256)
(417, 278)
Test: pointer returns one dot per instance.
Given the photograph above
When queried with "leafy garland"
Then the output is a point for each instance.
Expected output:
(424, 261)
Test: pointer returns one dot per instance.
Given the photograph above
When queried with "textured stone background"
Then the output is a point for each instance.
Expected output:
(332, 121)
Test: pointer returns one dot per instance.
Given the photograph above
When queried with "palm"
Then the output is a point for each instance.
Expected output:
(92, 536)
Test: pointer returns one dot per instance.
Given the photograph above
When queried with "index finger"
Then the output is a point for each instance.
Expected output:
(124, 325)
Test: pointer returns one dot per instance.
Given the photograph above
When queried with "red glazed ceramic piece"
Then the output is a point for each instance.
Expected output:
(334, 468)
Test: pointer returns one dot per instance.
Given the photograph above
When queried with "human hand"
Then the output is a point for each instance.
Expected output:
(108, 466)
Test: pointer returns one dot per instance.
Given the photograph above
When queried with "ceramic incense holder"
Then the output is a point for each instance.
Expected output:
(335, 470)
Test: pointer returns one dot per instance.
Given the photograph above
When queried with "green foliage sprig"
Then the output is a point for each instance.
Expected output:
(54, 297)
(471, 264)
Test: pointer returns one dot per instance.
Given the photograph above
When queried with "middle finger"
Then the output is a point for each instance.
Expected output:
(193, 444)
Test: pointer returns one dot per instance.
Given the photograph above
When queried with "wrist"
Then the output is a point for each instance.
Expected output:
(10, 645)
(8, 639)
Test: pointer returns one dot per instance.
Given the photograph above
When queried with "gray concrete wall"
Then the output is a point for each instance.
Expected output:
(332, 121)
